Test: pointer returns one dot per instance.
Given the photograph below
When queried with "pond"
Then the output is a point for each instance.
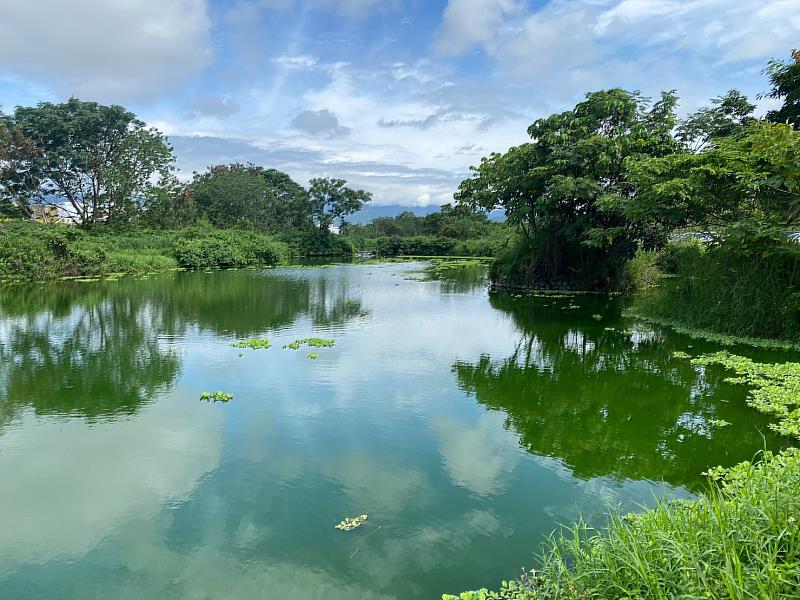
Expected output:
(467, 426)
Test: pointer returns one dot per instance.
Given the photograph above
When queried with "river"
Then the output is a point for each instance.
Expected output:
(467, 426)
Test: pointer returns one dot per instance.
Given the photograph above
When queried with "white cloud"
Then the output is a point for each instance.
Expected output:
(299, 61)
(112, 51)
(469, 22)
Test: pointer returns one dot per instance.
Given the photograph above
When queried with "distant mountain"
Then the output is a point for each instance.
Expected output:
(370, 212)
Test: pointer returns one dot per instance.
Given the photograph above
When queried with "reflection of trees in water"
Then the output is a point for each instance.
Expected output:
(94, 355)
(102, 349)
(609, 402)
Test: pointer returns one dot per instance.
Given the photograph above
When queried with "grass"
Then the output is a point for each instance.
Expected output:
(313, 342)
(739, 541)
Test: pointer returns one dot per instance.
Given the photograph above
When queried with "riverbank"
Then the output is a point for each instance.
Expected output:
(34, 252)
(741, 540)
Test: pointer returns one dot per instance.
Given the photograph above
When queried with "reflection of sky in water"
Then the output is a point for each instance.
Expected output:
(182, 499)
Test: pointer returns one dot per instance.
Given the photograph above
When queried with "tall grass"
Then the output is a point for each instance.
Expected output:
(740, 541)
(728, 292)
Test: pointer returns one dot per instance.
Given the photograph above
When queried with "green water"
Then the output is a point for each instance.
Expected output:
(465, 425)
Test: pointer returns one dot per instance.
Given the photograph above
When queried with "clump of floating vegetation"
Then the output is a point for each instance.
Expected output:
(216, 397)
(775, 387)
(443, 267)
(255, 344)
(597, 317)
(350, 524)
(313, 342)
(313, 356)
(718, 423)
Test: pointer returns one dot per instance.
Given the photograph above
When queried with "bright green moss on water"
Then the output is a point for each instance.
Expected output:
(255, 344)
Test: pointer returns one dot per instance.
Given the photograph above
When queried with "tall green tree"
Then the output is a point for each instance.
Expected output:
(745, 186)
(785, 79)
(331, 199)
(726, 116)
(250, 196)
(101, 160)
(553, 189)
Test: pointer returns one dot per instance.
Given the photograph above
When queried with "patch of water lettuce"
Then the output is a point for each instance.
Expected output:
(313, 342)
(255, 344)
(216, 397)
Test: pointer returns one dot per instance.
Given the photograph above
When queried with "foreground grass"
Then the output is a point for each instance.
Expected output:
(741, 540)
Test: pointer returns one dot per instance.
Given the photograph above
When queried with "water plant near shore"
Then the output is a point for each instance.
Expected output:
(349, 524)
(740, 540)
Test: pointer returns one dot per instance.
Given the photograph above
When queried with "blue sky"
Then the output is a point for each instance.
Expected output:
(399, 97)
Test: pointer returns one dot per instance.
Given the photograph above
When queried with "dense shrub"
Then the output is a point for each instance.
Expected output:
(741, 540)
(415, 246)
(202, 248)
(676, 255)
(318, 243)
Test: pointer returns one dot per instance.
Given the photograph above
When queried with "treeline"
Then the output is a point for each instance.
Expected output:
(103, 171)
(600, 191)
(452, 231)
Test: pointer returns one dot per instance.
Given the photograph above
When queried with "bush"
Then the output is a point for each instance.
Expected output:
(204, 248)
(318, 243)
(642, 271)
(675, 256)
(741, 540)
(415, 246)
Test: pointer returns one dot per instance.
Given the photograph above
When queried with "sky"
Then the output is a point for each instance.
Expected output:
(399, 97)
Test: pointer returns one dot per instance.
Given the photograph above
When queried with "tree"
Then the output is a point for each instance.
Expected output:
(170, 206)
(728, 115)
(331, 199)
(252, 197)
(553, 189)
(746, 185)
(785, 79)
(101, 160)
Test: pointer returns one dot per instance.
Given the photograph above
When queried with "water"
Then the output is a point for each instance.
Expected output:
(466, 426)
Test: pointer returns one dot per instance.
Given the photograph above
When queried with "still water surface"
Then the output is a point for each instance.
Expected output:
(467, 426)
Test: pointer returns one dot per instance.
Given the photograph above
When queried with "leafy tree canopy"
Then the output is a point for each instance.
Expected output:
(785, 79)
(100, 159)
(331, 199)
(745, 183)
(553, 188)
(249, 196)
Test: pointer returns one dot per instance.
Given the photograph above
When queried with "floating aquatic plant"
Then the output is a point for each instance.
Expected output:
(216, 397)
(718, 423)
(680, 354)
(350, 524)
(775, 387)
(597, 317)
(313, 356)
(314, 342)
(255, 344)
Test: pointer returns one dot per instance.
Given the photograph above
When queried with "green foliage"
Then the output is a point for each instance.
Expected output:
(748, 181)
(255, 344)
(741, 540)
(313, 342)
(216, 397)
(331, 199)
(249, 196)
(221, 248)
(554, 190)
(785, 79)
(775, 387)
(317, 243)
(730, 290)
(313, 356)
(727, 116)
(100, 159)
(642, 272)
(679, 255)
